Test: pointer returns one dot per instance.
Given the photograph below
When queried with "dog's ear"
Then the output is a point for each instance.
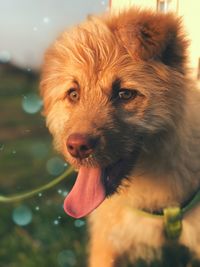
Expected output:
(152, 36)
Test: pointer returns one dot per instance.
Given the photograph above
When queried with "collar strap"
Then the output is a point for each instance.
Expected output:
(172, 222)
(172, 217)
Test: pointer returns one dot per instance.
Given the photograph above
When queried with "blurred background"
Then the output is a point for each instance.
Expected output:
(35, 231)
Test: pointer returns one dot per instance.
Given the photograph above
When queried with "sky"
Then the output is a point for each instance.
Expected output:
(28, 27)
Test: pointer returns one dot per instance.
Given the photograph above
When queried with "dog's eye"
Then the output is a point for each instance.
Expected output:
(126, 94)
(73, 95)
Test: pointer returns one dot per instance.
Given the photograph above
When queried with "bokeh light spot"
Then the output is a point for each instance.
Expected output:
(59, 191)
(65, 193)
(46, 20)
(79, 223)
(5, 56)
(66, 258)
(55, 166)
(55, 222)
(22, 215)
(31, 103)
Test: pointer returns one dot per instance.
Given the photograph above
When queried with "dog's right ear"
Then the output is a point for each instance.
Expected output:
(147, 35)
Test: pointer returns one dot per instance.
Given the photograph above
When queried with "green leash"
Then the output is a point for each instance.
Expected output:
(172, 217)
(25, 195)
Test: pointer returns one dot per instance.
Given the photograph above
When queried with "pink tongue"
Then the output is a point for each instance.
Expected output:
(87, 193)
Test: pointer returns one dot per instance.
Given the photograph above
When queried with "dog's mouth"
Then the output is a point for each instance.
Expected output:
(94, 184)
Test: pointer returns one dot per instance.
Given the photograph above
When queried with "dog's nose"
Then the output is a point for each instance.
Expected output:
(81, 145)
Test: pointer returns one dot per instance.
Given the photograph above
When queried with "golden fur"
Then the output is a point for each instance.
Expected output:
(146, 51)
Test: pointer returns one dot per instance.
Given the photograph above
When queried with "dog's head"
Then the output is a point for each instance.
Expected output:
(109, 86)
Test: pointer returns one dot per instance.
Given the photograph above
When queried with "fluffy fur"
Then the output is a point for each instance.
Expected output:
(144, 51)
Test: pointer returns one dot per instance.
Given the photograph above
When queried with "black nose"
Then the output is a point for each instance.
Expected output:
(81, 145)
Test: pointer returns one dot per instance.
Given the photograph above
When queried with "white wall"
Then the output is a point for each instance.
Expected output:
(121, 4)
(190, 10)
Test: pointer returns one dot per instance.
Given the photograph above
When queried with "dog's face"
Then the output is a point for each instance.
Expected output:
(110, 85)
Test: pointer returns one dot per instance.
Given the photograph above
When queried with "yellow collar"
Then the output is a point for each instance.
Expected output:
(172, 217)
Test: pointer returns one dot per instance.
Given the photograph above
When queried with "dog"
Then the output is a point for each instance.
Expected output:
(123, 110)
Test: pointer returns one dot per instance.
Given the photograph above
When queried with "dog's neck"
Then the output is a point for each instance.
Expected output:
(169, 168)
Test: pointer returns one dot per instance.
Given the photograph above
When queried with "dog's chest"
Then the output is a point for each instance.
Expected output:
(141, 236)
(144, 236)
(128, 231)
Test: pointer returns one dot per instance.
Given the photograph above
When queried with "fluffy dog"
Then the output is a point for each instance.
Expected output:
(124, 112)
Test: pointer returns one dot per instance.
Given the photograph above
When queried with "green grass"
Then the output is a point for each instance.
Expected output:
(51, 238)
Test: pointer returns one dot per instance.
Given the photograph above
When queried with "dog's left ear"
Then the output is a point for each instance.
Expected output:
(152, 36)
